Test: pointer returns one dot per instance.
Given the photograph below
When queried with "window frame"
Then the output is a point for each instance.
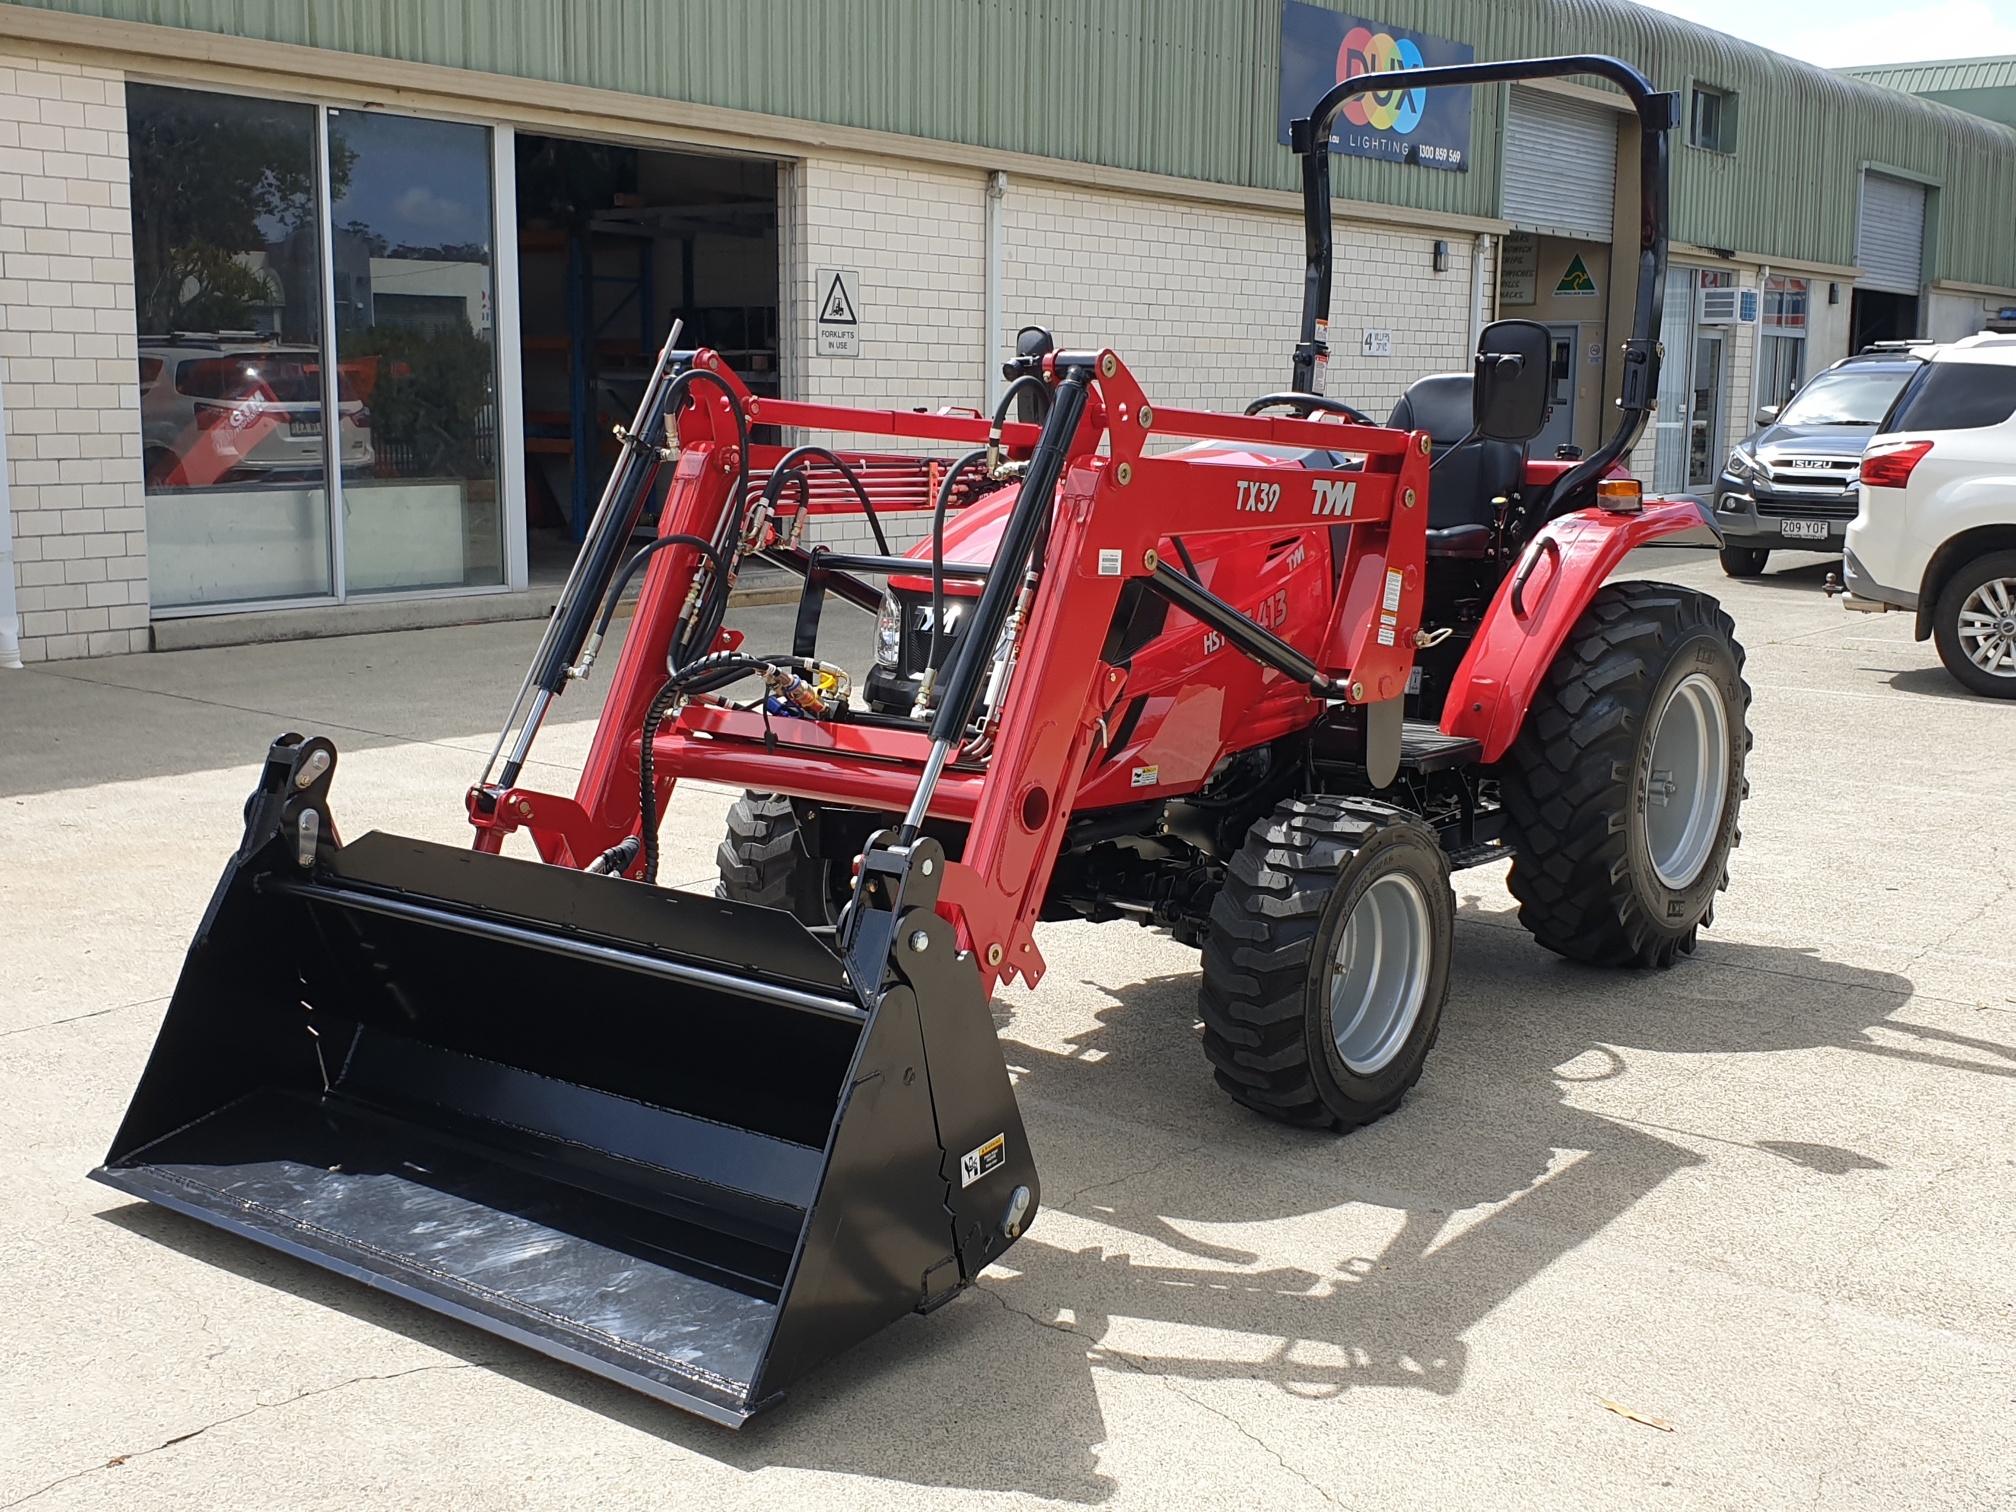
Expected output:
(507, 358)
(1726, 118)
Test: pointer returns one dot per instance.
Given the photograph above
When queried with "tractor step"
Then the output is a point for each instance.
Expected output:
(1423, 747)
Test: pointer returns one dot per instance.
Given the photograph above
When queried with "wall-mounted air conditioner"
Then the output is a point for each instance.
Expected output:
(1727, 307)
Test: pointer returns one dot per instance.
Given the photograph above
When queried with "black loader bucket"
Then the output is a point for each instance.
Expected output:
(675, 1140)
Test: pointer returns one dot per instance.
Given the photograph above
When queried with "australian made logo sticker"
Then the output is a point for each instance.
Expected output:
(991, 1156)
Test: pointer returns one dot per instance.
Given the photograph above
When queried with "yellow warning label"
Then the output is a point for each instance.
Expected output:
(991, 1156)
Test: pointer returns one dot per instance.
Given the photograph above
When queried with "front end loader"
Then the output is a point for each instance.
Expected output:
(1260, 680)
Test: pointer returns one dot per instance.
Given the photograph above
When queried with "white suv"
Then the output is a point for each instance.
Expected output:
(1937, 528)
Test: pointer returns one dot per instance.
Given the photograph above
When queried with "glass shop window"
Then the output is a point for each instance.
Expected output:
(227, 274)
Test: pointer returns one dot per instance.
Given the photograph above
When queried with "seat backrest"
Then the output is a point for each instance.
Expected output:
(1461, 488)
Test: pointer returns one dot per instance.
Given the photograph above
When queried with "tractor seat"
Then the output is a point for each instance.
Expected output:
(1462, 486)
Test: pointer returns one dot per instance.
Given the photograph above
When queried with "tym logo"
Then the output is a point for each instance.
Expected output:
(1334, 497)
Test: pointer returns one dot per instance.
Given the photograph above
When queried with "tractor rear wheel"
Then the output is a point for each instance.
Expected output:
(1622, 789)
(763, 861)
(1326, 962)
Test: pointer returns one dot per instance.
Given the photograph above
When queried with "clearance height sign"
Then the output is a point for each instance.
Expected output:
(1428, 127)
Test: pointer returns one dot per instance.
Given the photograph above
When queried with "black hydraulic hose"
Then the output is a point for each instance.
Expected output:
(972, 458)
(1018, 542)
(647, 765)
(615, 597)
(787, 469)
(1025, 383)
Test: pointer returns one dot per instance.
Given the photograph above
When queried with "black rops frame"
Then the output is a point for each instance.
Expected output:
(1658, 114)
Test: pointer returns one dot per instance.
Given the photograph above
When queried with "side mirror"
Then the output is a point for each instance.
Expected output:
(1509, 396)
(1767, 414)
(1032, 345)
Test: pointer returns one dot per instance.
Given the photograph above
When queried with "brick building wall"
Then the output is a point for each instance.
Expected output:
(1203, 303)
(67, 355)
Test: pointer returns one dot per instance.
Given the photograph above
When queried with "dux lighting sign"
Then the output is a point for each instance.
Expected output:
(1320, 48)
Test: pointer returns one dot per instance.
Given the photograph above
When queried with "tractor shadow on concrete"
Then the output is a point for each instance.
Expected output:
(1158, 1189)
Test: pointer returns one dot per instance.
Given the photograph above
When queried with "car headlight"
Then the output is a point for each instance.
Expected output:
(889, 632)
(1742, 465)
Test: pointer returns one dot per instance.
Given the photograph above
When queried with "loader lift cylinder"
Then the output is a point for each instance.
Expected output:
(1004, 581)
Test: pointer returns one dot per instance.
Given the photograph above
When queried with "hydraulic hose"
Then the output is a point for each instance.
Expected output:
(783, 675)
(787, 469)
(615, 594)
(675, 687)
(938, 564)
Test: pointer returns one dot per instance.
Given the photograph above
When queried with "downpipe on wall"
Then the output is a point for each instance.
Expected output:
(1480, 316)
(992, 345)
(10, 616)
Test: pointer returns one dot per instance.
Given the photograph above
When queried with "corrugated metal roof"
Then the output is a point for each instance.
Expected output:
(1190, 88)
(1939, 77)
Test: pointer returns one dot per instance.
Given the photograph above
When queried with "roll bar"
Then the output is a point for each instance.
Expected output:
(1658, 114)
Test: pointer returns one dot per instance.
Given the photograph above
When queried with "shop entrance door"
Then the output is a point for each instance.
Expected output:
(1563, 341)
(615, 242)
(1704, 411)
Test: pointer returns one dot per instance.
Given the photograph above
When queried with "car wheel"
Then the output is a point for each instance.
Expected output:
(1745, 561)
(1974, 625)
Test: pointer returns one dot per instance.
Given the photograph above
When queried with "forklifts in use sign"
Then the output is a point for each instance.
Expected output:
(839, 318)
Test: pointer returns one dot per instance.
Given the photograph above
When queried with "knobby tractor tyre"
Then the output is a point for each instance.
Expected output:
(1623, 787)
(763, 861)
(1326, 962)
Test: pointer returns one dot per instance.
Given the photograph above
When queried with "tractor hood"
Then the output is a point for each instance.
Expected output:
(971, 535)
(974, 533)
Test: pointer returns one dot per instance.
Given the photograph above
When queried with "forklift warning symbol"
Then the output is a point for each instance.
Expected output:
(839, 312)
(990, 1157)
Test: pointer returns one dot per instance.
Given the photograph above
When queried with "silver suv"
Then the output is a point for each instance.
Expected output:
(233, 408)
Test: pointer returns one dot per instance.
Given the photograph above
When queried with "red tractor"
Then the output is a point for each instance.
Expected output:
(1260, 680)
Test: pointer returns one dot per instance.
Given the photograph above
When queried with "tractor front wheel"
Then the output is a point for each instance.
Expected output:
(1622, 789)
(1327, 961)
(763, 861)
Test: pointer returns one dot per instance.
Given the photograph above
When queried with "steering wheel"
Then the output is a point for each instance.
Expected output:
(1305, 405)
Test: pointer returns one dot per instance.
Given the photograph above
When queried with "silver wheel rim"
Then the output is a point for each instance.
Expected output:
(1688, 786)
(1987, 627)
(1379, 974)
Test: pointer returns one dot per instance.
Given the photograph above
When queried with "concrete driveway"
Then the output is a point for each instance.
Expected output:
(1764, 1198)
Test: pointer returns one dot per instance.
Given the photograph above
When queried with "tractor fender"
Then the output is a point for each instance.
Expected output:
(1537, 604)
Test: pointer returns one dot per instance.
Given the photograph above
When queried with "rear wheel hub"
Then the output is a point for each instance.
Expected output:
(1688, 785)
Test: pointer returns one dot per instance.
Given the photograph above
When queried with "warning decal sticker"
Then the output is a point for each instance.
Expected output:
(991, 1156)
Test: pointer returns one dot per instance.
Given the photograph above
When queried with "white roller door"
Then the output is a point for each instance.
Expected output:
(1890, 239)
(1560, 164)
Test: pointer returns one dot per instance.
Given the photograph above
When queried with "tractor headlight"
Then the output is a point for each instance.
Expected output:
(889, 632)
